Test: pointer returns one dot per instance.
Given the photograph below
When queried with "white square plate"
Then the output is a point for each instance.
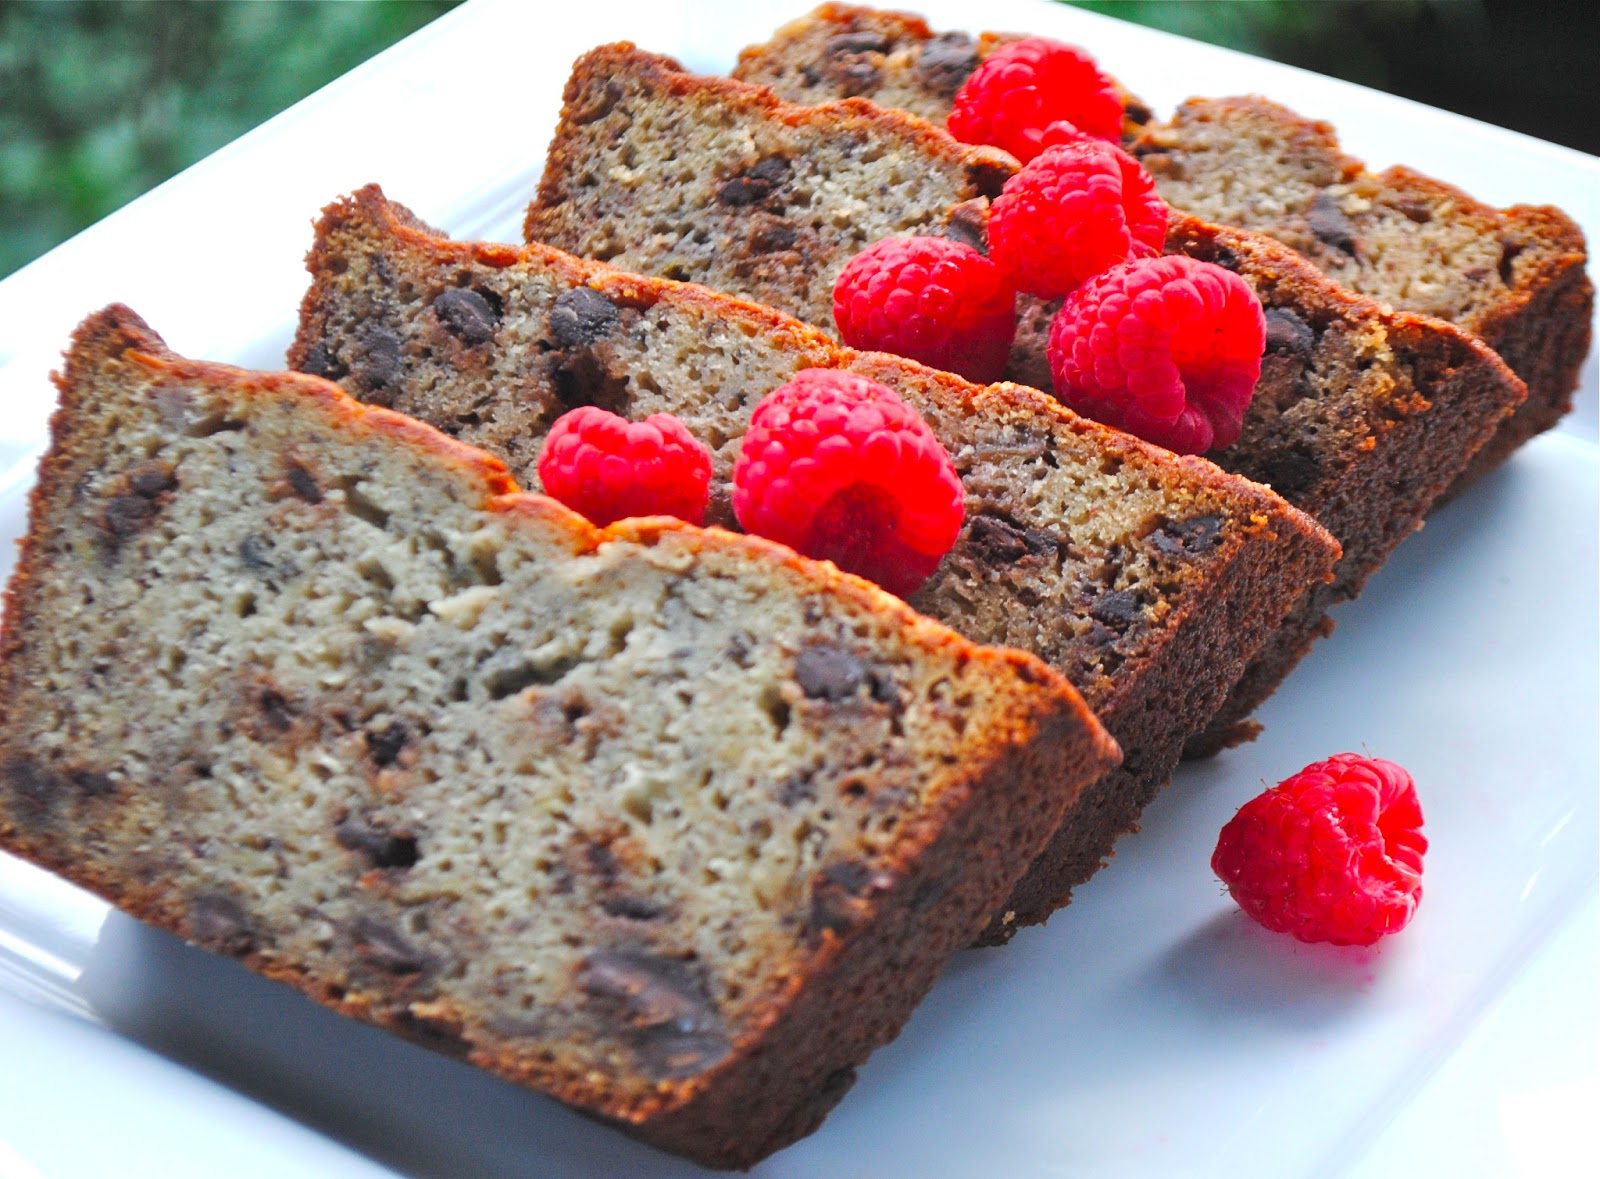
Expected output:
(1149, 1030)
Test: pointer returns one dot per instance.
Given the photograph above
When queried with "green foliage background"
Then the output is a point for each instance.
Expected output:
(101, 100)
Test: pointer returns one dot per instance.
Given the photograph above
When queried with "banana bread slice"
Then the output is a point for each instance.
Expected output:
(1514, 277)
(1148, 580)
(668, 173)
(1330, 439)
(666, 822)
(893, 58)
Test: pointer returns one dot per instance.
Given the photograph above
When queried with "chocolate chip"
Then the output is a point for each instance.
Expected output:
(1290, 473)
(275, 710)
(664, 1007)
(602, 862)
(377, 364)
(946, 61)
(1188, 537)
(303, 485)
(1119, 609)
(1509, 251)
(968, 223)
(384, 745)
(857, 77)
(1225, 257)
(841, 896)
(773, 170)
(255, 551)
(755, 184)
(1415, 209)
(798, 787)
(467, 315)
(320, 362)
(774, 237)
(381, 847)
(126, 515)
(383, 948)
(739, 648)
(1288, 334)
(151, 479)
(1328, 221)
(91, 783)
(827, 672)
(632, 908)
(34, 787)
(997, 541)
(845, 44)
(220, 923)
(581, 317)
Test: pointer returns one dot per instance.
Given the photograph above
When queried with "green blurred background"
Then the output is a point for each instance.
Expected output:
(101, 100)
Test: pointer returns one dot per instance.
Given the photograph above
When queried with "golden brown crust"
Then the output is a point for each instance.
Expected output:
(949, 864)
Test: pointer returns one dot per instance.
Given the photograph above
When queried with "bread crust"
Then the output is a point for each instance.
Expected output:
(1031, 747)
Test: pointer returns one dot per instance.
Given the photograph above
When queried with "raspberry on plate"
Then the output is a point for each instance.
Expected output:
(1073, 211)
(931, 299)
(1024, 86)
(1166, 348)
(609, 468)
(838, 468)
(1331, 854)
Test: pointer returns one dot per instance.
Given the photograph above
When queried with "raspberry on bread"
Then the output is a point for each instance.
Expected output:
(1147, 580)
(837, 467)
(1371, 413)
(607, 468)
(932, 299)
(1514, 277)
(666, 822)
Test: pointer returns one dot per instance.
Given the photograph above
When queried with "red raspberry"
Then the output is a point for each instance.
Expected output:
(929, 298)
(1165, 348)
(1073, 211)
(1332, 854)
(839, 468)
(609, 468)
(1024, 86)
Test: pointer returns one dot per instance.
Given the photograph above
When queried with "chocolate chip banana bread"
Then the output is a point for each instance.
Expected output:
(1148, 580)
(702, 179)
(1327, 436)
(666, 822)
(1514, 277)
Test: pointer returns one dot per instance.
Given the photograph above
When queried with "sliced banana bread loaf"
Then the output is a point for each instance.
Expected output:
(1325, 429)
(1515, 277)
(666, 822)
(1148, 580)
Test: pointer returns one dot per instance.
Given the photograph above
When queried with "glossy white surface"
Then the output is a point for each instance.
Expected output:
(1148, 1031)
